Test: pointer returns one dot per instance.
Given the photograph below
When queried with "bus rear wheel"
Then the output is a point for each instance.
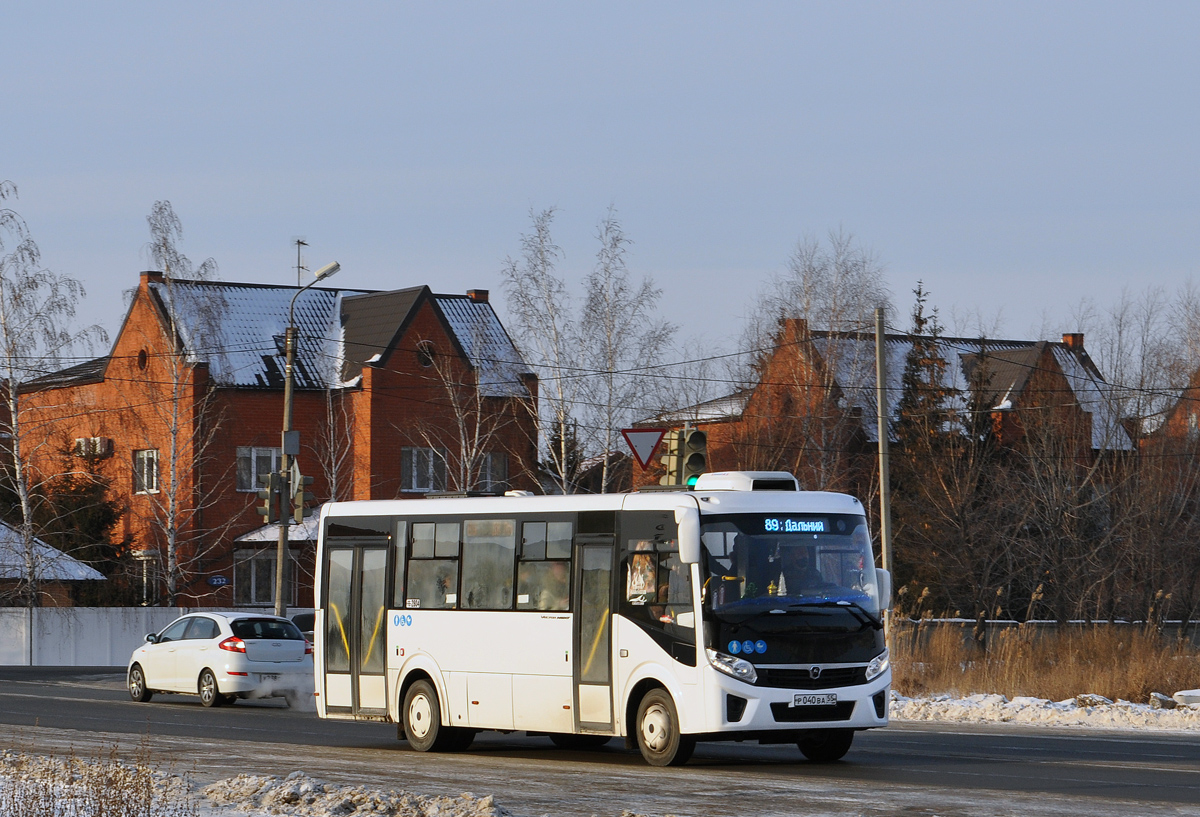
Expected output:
(423, 722)
(826, 745)
(658, 735)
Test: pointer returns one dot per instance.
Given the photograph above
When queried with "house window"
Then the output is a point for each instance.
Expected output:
(145, 471)
(253, 464)
(422, 469)
(493, 472)
(254, 578)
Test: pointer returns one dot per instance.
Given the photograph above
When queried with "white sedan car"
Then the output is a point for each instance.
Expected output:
(222, 657)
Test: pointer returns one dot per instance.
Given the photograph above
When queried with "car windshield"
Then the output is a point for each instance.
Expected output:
(789, 561)
(266, 628)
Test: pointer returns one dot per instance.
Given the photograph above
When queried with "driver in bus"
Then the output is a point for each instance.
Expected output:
(798, 571)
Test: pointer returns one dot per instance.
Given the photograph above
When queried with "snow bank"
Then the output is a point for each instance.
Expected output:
(299, 794)
(1083, 710)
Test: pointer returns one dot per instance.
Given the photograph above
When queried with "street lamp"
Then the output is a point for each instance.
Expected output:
(286, 448)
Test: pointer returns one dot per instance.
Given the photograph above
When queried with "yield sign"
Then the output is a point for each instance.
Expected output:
(643, 442)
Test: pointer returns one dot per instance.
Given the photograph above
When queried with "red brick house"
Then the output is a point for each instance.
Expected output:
(812, 411)
(396, 394)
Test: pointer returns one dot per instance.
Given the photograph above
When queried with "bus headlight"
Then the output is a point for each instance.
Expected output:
(738, 668)
(878, 665)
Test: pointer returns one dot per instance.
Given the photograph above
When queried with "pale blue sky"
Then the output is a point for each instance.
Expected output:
(1014, 156)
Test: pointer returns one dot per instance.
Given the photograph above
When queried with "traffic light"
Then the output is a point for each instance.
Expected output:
(300, 511)
(672, 461)
(268, 496)
(694, 453)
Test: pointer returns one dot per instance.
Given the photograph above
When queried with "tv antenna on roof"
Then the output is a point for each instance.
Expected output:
(300, 268)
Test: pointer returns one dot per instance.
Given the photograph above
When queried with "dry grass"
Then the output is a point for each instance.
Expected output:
(101, 786)
(1128, 663)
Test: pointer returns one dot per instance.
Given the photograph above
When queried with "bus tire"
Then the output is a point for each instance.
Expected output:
(658, 735)
(826, 745)
(568, 741)
(423, 722)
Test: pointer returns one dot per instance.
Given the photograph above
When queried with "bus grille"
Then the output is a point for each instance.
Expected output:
(801, 679)
(812, 714)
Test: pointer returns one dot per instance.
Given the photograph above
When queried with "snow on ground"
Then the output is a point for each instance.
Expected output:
(1091, 711)
(300, 795)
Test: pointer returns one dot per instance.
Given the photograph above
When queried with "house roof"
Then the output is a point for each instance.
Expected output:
(239, 329)
(1010, 364)
(49, 563)
(90, 371)
(851, 357)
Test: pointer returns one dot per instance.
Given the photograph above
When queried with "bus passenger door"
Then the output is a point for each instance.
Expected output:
(593, 634)
(356, 630)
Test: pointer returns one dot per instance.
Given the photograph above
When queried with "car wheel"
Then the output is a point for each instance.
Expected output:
(826, 745)
(564, 741)
(210, 694)
(423, 722)
(137, 685)
(658, 735)
(293, 699)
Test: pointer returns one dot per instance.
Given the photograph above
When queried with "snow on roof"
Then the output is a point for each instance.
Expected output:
(486, 344)
(304, 532)
(49, 563)
(239, 330)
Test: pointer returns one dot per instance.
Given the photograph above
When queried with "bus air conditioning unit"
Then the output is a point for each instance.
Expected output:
(747, 481)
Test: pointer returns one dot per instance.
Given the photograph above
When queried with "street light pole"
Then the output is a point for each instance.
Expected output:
(285, 448)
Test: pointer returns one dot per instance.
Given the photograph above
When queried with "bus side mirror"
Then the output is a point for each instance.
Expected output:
(884, 579)
(688, 520)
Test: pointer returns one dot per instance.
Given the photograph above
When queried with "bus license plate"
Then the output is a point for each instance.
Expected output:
(824, 699)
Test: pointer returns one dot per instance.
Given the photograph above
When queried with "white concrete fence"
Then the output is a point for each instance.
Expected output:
(84, 636)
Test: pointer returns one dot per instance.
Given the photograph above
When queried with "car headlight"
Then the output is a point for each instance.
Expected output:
(879, 665)
(738, 668)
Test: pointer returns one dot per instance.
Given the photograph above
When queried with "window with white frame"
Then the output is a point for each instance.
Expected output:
(145, 471)
(493, 472)
(254, 463)
(422, 469)
(254, 578)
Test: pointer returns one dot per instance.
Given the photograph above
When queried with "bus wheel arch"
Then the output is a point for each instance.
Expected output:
(652, 725)
(421, 718)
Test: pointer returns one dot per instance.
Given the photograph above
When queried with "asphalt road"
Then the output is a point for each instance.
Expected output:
(902, 770)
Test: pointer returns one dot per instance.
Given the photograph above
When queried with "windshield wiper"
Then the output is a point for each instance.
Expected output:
(860, 613)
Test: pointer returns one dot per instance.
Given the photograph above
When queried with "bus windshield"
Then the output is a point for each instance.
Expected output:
(793, 560)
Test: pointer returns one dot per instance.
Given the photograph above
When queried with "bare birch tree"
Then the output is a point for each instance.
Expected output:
(547, 334)
(37, 310)
(623, 342)
(176, 405)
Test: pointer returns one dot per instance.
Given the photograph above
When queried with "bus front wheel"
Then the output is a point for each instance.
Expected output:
(826, 745)
(423, 722)
(658, 735)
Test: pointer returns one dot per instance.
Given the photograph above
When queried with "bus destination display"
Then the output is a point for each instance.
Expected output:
(784, 524)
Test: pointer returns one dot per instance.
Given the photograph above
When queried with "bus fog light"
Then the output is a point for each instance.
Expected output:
(738, 668)
(878, 666)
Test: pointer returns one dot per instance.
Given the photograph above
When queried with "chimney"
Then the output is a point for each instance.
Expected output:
(152, 277)
(480, 296)
(1074, 341)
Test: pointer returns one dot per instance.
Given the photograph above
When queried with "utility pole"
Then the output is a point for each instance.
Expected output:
(885, 487)
(290, 442)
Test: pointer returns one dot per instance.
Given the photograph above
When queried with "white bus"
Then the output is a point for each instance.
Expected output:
(744, 609)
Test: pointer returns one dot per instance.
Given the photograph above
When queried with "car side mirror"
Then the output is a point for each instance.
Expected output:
(151, 638)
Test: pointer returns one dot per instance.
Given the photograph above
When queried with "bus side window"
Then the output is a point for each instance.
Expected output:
(433, 582)
(544, 572)
(489, 550)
